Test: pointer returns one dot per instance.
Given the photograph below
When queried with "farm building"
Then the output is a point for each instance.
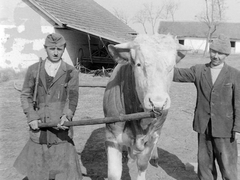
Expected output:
(193, 34)
(87, 27)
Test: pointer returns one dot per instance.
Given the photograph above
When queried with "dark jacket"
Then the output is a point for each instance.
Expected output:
(60, 98)
(218, 102)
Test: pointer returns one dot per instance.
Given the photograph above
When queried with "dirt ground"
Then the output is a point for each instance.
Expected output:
(177, 145)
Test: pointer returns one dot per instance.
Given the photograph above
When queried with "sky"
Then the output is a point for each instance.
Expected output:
(187, 11)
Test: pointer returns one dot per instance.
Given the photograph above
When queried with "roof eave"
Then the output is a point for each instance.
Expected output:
(42, 12)
(96, 34)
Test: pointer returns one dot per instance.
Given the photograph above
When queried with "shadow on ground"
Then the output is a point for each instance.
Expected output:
(174, 167)
(94, 159)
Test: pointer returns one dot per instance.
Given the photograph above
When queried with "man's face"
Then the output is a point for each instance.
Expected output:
(55, 53)
(217, 58)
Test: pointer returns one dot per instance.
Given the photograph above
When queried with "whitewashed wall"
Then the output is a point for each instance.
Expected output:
(198, 45)
(22, 39)
(237, 49)
(22, 52)
(12, 47)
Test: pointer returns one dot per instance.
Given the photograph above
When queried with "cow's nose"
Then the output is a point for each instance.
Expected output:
(157, 110)
(156, 106)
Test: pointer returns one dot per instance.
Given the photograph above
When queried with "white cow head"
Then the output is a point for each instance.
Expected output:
(153, 59)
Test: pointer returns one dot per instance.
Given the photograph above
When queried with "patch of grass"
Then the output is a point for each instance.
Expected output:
(8, 74)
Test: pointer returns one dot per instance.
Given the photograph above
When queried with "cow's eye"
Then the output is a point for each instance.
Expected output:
(138, 64)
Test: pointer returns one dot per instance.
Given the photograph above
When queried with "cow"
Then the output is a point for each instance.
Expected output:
(140, 82)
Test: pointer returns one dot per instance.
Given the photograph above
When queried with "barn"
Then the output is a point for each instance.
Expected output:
(193, 34)
(87, 27)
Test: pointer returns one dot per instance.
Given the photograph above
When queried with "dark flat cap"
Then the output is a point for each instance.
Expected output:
(54, 39)
(221, 44)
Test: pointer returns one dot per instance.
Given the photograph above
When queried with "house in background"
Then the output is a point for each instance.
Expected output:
(193, 34)
(87, 27)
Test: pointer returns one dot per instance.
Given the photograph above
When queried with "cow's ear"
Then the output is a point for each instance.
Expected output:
(118, 54)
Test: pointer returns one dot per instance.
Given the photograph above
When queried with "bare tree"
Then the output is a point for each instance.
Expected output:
(121, 15)
(141, 18)
(213, 15)
(171, 7)
(152, 14)
(149, 14)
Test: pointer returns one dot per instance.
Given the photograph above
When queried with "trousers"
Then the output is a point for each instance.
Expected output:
(221, 150)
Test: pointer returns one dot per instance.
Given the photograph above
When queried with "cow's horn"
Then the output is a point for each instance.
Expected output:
(128, 45)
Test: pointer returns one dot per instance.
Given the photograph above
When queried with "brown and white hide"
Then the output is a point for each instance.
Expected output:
(140, 82)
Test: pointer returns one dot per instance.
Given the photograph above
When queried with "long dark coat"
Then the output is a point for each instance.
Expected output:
(218, 102)
(60, 98)
(50, 153)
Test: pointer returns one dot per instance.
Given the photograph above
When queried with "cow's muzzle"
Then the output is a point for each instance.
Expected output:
(157, 110)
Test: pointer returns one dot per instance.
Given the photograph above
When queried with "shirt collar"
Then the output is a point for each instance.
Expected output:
(220, 66)
(51, 67)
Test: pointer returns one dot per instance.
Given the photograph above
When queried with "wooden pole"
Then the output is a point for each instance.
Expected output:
(92, 85)
(83, 122)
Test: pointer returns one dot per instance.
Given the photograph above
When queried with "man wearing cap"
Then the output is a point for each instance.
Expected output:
(50, 152)
(217, 111)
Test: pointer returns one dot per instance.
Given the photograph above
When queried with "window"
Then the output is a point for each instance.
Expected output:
(233, 44)
(181, 41)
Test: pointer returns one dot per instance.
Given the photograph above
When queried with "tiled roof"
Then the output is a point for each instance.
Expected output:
(198, 29)
(84, 15)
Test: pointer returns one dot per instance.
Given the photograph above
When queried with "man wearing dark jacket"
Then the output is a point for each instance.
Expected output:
(50, 152)
(217, 111)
